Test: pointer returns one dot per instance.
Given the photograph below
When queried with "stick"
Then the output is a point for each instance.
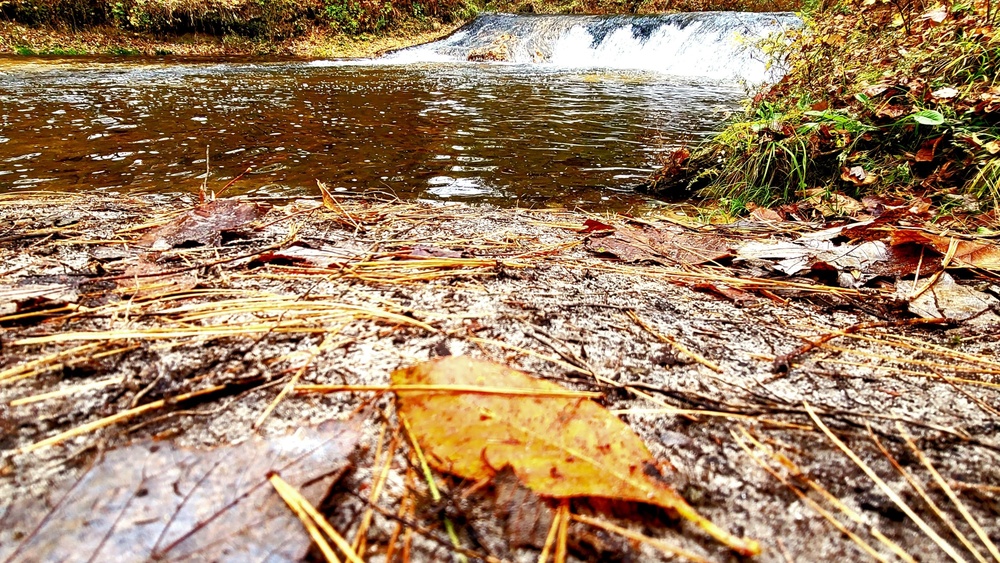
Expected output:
(783, 363)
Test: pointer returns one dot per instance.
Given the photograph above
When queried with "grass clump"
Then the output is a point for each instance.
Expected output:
(896, 97)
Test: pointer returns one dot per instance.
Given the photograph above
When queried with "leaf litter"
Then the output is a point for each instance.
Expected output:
(677, 338)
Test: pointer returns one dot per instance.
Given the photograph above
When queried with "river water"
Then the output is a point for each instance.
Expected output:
(414, 126)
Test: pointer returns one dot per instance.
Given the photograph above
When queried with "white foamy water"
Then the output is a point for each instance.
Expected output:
(713, 45)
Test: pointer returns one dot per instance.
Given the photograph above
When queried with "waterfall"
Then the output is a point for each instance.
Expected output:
(714, 45)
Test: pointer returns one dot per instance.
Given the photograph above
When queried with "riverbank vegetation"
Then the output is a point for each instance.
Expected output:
(884, 99)
(222, 27)
(292, 27)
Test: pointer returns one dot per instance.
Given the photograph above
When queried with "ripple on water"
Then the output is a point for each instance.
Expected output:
(505, 133)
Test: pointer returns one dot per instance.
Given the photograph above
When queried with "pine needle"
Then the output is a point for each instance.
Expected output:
(315, 516)
(973, 523)
(886, 489)
(656, 544)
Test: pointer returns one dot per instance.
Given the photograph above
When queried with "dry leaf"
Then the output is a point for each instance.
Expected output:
(857, 176)
(148, 279)
(559, 447)
(928, 149)
(428, 251)
(968, 254)
(949, 299)
(670, 247)
(156, 501)
(737, 296)
(944, 93)
(326, 257)
(763, 214)
(203, 225)
(590, 226)
(834, 204)
(792, 257)
(935, 15)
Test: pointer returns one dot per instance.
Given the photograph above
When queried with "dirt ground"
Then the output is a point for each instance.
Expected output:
(106, 313)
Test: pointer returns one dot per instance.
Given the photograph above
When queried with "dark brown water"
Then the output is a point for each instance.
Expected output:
(508, 134)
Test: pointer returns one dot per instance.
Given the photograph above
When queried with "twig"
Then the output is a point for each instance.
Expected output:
(783, 363)
(673, 342)
(108, 421)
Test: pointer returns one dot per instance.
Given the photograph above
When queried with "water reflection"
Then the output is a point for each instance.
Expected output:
(501, 133)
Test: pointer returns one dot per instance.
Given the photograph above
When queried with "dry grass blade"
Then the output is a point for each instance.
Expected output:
(376, 492)
(885, 488)
(973, 523)
(294, 502)
(290, 386)
(550, 538)
(783, 362)
(431, 483)
(59, 360)
(64, 392)
(562, 534)
(790, 466)
(945, 262)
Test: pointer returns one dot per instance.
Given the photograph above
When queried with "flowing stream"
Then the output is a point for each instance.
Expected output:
(578, 112)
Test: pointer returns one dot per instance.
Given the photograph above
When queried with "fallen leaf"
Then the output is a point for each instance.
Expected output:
(763, 213)
(857, 176)
(793, 257)
(526, 518)
(927, 149)
(834, 204)
(590, 226)
(936, 15)
(949, 299)
(427, 251)
(203, 225)
(666, 246)
(157, 501)
(968, 254)
(558, 447)
(892, 111)
(737, 296)
(944, 93)
(148, 279)
(328, 256)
